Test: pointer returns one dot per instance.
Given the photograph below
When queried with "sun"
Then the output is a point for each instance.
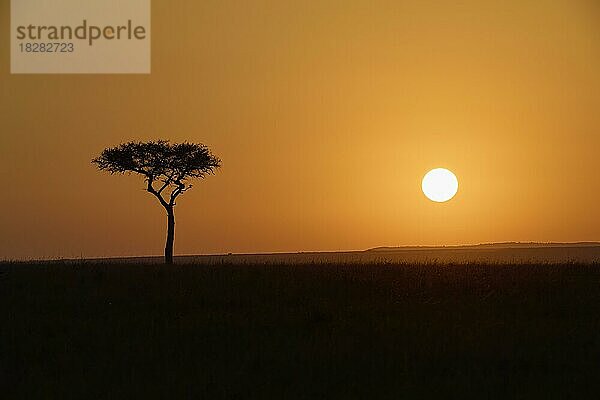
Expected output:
(439, 185)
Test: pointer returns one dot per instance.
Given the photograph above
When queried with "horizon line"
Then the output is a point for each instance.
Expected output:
(520, 244)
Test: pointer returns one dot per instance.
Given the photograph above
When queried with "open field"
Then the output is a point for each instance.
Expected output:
(492, 253)
(387, 330)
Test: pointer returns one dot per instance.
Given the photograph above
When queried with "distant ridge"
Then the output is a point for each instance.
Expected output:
(503, 252)
(499, 245)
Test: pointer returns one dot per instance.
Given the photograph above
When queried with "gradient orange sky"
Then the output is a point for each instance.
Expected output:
(326, 115)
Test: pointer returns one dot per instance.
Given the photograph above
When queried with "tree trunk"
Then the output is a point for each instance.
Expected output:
(170, 236)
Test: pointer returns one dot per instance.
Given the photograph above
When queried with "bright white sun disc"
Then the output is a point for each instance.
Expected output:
(439, 185)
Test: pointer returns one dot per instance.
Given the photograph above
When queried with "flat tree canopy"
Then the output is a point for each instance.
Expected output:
(167, 165)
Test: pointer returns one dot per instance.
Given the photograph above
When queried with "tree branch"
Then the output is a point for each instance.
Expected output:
(167, 183)
(180, 189)
(157, 194)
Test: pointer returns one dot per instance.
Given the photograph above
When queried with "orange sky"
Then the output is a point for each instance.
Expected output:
(326, 115)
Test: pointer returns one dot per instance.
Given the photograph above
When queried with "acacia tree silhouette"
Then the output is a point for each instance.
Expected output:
(168, 166)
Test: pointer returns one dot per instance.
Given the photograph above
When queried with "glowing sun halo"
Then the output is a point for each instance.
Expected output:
(439, 185)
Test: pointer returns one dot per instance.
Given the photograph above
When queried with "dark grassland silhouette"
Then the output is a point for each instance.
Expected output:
(168, 166)
(330, 331)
